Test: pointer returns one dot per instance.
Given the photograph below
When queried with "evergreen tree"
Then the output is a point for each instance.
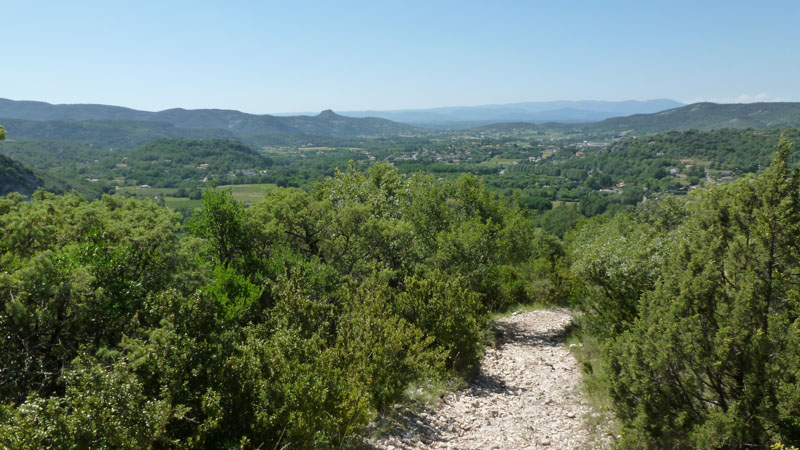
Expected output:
(713, 360)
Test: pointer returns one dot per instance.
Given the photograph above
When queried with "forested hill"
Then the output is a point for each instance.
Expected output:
(118, 134)
(196, 152)
(164, 162)
(697, 116)
(707, 116)
(169, 162)
(15, 177)
(84, 122)
(328, 123)
(241, 124)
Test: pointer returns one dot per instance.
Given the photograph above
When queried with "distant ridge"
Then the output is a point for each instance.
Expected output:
(114, 125)
(107, 133)
(707, 116)
(237, 123)
(697, 116)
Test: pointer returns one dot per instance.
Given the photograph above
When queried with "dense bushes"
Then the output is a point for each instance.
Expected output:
(700, 310)
(74, 275)
(293, 321)
(290, 322)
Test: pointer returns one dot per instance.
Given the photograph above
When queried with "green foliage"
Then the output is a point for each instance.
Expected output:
(700, 310)
(295, 218)
(17, 178)
(386, 351)
(780, 446)
(104, 133)
(224, 225)
(561, 219)
(235, 294)
(291, 322)
(281, 387)
(185, 162)
(102, 407)
(74, 275)
(452, 315)
(620, 259)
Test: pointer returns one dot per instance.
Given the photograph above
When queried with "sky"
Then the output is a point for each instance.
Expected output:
(303, 56)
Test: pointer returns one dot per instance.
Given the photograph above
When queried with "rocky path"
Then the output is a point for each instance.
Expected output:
(527, 396)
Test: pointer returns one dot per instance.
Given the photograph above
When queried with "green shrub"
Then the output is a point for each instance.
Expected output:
(102, 407)
(448, 312)
(708, 353)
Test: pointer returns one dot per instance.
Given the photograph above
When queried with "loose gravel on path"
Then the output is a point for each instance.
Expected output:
(527, 396)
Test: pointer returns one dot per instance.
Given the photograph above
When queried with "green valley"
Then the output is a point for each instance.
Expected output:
(176, 285)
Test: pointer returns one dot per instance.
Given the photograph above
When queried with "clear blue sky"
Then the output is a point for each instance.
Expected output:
(285, 56)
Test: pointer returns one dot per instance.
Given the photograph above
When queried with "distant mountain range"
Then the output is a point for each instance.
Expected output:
(536, 112)
(118, 127)
(236, 123)
(328, 123)
(697, 116)
(707, 116)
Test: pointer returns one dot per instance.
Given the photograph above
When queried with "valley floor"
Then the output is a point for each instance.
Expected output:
(528, 395)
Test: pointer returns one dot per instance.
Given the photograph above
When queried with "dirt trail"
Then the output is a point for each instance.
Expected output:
(528, 395)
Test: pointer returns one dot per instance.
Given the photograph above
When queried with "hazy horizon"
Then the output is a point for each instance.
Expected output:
(284, 113)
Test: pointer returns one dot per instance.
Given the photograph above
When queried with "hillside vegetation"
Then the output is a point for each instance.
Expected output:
(697, 116)
(168, 162)
(697, 308)
(164, 162)
(291, 322)
(706, 116)
(104, 133)
(14, 177)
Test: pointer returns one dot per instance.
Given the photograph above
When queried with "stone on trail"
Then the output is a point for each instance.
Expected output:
(528, 395)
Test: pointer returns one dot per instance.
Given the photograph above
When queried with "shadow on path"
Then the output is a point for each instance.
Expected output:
(415, 429)
(516, 333)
